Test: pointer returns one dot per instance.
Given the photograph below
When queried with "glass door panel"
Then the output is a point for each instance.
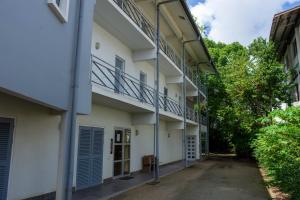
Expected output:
(122, 152)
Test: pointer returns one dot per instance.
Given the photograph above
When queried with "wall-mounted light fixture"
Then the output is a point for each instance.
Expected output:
(137, 132)
(97, 45)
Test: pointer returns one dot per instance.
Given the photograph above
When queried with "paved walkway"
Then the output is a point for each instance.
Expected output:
(220, 178)
(117, 186)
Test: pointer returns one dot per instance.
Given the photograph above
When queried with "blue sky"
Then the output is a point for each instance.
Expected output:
(238, 20)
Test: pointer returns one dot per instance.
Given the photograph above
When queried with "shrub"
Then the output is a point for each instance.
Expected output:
(277, 148)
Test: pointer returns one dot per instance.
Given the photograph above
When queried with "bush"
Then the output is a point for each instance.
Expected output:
(277, 148)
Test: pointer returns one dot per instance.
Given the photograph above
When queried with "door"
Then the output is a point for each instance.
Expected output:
(90, 157)
(120, 64)
(143, 80)
(122, 152)
(165, 98)
(191, 147)
(6, 130)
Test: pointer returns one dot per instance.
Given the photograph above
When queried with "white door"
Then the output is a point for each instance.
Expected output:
(191, 147)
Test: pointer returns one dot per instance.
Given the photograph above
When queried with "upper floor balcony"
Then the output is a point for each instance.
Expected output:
(127, 92)
(126, 21)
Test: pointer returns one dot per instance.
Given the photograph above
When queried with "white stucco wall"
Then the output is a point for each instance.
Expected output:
(34, 156)
(170, 144)
(109, 119)
(141, 141)
(110, 47)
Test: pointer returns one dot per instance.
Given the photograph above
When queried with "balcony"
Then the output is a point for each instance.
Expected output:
(120, 88)
(167, 55)
(191, 114)
(132, 28)
(203, 120)
(203, 89)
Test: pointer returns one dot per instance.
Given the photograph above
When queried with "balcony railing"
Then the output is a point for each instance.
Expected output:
(108, 76)
(191, 114)
(202, 88)
(203, 120)
(136, 15)
(132, 11)
(191, 74)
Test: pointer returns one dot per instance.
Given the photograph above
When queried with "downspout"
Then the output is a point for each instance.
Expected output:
(198, 113)
(184, 104)
(156, 174)
(207, 120)
(67, 144)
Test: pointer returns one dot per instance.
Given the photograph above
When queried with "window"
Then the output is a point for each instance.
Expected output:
(295, 51)
(60, 8)
(143, 82)
(119, 74)
(165, 98)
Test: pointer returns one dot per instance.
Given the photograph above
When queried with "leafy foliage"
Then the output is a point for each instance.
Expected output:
(277, 148)
(250, 85)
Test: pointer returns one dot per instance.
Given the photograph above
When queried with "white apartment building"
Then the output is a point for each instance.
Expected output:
(285, 33)
(111, 140)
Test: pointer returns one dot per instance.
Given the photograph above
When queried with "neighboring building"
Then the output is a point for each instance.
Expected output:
(285, 33)
(40, 46)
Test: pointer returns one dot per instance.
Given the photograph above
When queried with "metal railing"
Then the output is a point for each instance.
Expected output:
(203, 120)
(114, 79)
(202, 88)
(191, 74)
(169, 51)
(191, 114)
(170, 105)
(136, 15)
(132, 11)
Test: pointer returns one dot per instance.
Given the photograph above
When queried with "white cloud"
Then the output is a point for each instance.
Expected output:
(238, 20)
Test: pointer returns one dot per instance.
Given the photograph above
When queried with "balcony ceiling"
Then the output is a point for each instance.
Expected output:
(183, 22)
(114, 20)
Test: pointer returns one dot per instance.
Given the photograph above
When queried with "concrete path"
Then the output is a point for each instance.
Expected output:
(220, 178)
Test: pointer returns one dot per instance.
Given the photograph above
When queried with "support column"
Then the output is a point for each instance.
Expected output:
(184, 103)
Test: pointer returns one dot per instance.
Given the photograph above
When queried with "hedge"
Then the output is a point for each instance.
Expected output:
(277, 149)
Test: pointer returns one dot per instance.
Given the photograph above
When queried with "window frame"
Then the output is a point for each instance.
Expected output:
(61, 11)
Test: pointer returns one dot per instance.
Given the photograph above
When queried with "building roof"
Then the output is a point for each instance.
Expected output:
(196, 29)
(282, 28)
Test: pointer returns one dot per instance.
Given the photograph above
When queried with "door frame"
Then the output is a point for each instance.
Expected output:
(12, 121)
(123, 155)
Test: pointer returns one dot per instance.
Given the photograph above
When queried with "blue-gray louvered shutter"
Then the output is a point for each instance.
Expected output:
(90, 157)
(83, 161)
(97, 157)
(6, 126)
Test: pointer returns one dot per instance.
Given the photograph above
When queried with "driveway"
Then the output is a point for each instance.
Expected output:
(219, 178)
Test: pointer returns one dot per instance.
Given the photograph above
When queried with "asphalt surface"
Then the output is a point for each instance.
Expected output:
(219, 178)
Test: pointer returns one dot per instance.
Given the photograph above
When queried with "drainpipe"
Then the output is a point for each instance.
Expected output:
(207, 120)
(68, 122)
(156, 174)
(186, 164)
(198, 113)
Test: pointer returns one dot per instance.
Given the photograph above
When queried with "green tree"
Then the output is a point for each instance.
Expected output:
(250, 85)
